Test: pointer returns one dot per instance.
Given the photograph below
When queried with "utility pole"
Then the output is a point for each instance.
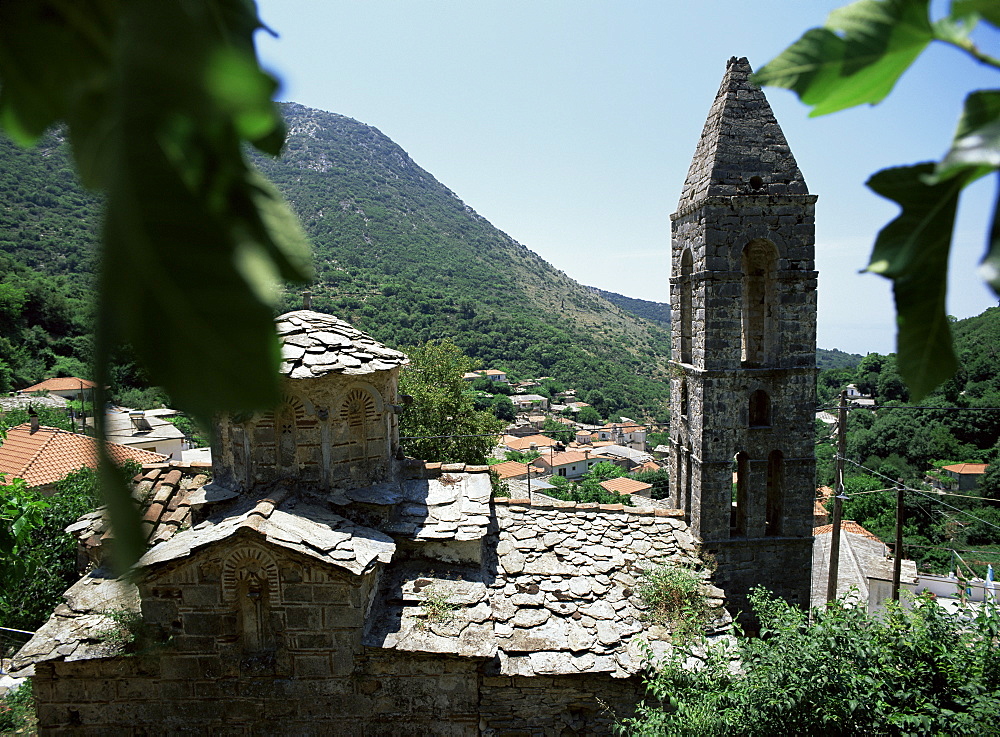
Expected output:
(831, 587)
(897, 561)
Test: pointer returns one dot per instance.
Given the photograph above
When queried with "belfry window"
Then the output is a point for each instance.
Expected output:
(687, 306)
(775, 493)
(741, 485)
(757, 318)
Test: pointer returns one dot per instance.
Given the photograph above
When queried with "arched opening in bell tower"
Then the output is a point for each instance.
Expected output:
(741, 486)
(760, 409)
(687, 307)
(775, 493)
(758, 264)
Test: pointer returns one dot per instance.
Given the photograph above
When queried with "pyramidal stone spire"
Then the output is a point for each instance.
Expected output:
(742, 149)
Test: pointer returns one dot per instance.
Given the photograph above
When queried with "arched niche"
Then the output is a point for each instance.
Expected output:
(687, 305)
(758, 264)
(759, 410)
(250, 584)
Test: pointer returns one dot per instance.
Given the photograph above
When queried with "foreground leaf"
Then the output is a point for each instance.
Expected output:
(855, 58)
(989, 10)
(989, 270)
(977, 139)
(912, 250)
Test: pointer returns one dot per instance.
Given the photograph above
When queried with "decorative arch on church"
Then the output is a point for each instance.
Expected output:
(760, 409)
(758, 264)
(360, 412)
(250, 583)
(687, 305)
(286, 420)
(775, 493)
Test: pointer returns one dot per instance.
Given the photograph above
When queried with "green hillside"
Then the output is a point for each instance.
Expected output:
(402, 257)
(396, 253)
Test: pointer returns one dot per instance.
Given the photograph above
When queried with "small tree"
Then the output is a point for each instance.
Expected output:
(589, 416)
(441, 423)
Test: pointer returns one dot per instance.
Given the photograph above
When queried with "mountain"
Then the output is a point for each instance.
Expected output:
(402, 257)
(396, 253)
(655, 312)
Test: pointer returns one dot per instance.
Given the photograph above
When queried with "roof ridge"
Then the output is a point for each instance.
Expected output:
(41, 447)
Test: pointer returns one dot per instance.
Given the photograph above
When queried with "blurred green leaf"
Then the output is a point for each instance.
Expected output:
(912, 250)
(159, 97)
(857, 56)
(990, 267)
(988, 10)
(977, 139)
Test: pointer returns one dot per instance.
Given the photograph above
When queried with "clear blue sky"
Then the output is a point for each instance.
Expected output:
(570, 126)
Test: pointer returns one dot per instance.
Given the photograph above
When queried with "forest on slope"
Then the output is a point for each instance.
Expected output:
(396, 253)
(958, 423)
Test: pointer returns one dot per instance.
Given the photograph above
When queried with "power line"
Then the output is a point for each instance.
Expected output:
(925, 494)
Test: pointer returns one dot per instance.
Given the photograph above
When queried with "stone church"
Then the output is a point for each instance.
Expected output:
(322, 583)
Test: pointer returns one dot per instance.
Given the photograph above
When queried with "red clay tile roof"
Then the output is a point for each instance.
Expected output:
(523, 444)
(967, 468)
(509, 469)
(847, 525)
(820, 511)
(623, 485)
(564, 459)
(46, 455)
(63, 384)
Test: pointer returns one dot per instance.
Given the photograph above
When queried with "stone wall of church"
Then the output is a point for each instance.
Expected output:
(336, 430)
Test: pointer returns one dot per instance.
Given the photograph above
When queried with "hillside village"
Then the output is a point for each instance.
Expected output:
(307, 565)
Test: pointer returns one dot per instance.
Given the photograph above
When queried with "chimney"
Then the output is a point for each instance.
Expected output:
(33, 418)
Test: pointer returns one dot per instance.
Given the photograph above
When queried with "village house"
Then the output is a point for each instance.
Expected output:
(628, 458)
(627, 486)
(43, 455)
(320, 583)
(144, 430)
(67, 387)
(960, 476)
(540, 443)
(864, 572)
(528, 402)
(568, 464)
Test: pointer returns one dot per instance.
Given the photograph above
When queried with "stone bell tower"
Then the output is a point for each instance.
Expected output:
(743, 304)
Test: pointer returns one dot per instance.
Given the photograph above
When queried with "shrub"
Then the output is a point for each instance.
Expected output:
(17, 708)
(675, 599)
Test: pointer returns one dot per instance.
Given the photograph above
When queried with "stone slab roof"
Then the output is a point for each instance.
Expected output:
(741, 140)
(452, 506)
(288, 523)
(314, 344)
(119, 428)
(552, 589)
(24, 401)
(46, 455)
(559, 597)
(79, 627)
